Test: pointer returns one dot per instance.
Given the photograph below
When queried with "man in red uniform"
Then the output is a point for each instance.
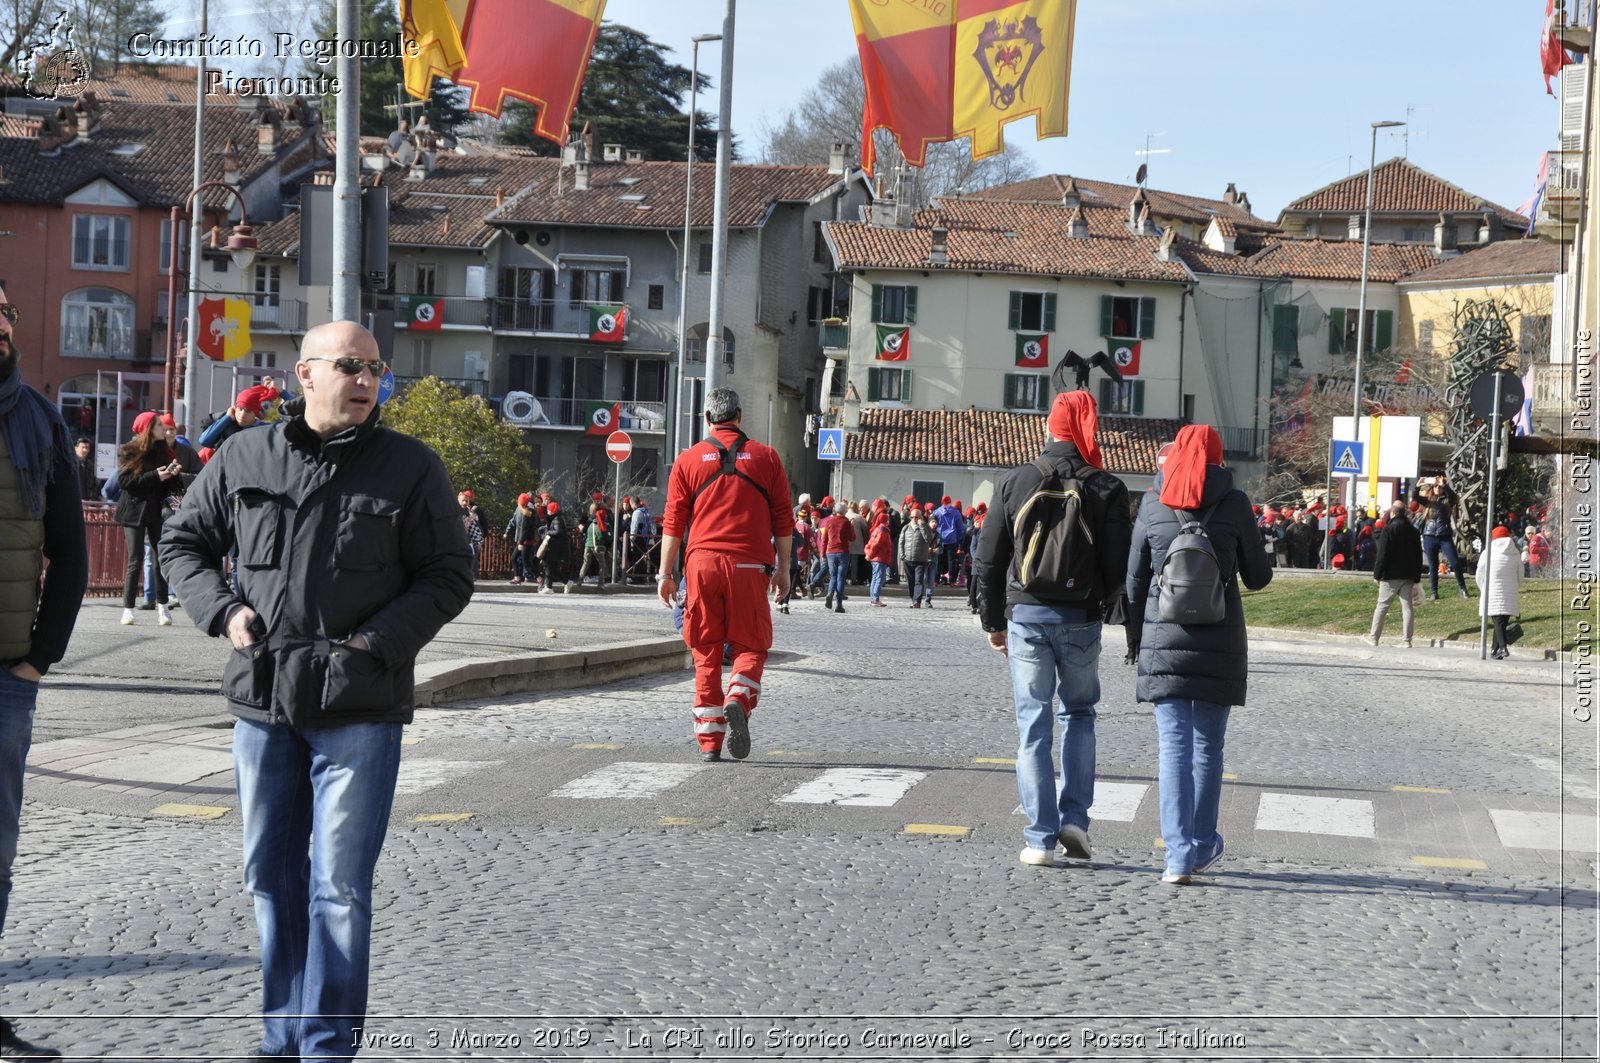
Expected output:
(727, 505)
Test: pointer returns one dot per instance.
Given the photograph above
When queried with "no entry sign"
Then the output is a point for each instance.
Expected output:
(619, 445)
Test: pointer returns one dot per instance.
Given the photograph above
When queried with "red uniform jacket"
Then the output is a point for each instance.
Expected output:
(731, 517)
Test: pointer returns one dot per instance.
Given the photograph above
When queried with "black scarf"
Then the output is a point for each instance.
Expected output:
(35, 434)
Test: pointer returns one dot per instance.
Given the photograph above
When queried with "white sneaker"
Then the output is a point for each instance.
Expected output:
(127, 616)
(163, 617)
(572, 588)
(1369, 640)
(1038, 857)
(1075, 841)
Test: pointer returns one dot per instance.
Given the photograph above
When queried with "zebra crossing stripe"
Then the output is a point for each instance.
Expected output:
(1545, 830)
(1117, 802)
(869, 787)
(628, 780)
(1301, 814)
(420, 775)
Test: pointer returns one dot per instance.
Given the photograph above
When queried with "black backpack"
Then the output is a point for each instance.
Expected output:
(1190, 583)
(1054, 556)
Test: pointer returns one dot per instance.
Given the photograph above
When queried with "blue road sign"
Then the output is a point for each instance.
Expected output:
(830, 444)
(386, 386)
(1346, 457)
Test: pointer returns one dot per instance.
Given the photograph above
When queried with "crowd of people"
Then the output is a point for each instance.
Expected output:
(554, 550)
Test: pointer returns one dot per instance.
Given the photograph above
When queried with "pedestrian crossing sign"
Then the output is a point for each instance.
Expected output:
(830, 444)
(1345, 457)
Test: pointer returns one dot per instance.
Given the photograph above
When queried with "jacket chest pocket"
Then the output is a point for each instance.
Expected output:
(258, 527)
(368, 538)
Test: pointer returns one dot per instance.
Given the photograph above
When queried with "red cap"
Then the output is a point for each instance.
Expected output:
(909, 499)
(254, 398)
(552, 507)
(524, 499)
(167, 421)
(470, 495)
(143, 421)
(827, 501)
(945, 501)
(1500, 532)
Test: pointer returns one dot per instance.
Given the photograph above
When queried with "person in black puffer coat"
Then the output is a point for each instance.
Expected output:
(1193, 673)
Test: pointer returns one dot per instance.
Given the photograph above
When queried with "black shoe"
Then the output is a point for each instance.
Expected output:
(838, 608)
(146, 605)
(711, 756)
(14, 1047)
(827, 603)
(738, 742)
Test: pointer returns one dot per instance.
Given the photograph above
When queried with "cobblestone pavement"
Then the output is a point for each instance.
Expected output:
(1410, 869)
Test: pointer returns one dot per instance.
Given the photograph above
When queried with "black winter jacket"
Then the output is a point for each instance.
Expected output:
(1209, 662)
(1106, 505)
(358, 534)
(143, 502)
(1399, 554)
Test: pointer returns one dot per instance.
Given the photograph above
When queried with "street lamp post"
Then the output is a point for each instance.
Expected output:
(688, 208)
(242, 246)
(1361, 308)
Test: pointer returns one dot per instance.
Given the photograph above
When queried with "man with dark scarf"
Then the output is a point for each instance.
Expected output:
(42, 517)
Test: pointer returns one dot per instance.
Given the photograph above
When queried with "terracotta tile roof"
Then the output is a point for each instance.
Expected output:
(994, 439)
(447, 208)
(1399, 186)
(999, 236)
(1225, 227)
(158, 173)
(1503, 258)
(278, 239)
(1050, 189)
(1339, 260)
(550, 198)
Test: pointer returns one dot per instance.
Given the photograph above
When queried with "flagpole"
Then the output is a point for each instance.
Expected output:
(719, 221)
(191, 369)
(688, 217)
(346, 294)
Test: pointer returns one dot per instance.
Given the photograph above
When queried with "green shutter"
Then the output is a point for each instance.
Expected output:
(1106, 394)
(911, 304)
(1286, 330)
(1384, 338)
(1147, 318)
(1009, 398)
(1137, 406)
(874, 388)
(1105, 315)
(1014, 315)
(905, 386)
(1049, 312)
(877, 302)
(1336, 330)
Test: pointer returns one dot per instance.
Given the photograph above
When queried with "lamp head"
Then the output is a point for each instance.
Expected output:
(1386, 124)
(703, 38)
(242, 246)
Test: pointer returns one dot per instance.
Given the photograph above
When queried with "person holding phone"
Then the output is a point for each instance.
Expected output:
(1439, 504)
(148, 472)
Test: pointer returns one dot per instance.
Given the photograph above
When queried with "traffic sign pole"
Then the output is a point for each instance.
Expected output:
(619, 447)
(1488, 523)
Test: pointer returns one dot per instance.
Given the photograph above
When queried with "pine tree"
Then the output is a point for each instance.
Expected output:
(382, 79)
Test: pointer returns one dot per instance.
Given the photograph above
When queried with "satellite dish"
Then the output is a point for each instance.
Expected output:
(406, 155)
(1144, 170)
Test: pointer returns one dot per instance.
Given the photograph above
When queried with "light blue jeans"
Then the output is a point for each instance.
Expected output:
(17, 700)
(329, 789)
(880, 572)
(1048, 660)
(1191, 734)
(838, 567)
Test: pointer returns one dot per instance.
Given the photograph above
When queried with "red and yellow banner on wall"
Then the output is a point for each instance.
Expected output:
(533, 50)
(962, 68)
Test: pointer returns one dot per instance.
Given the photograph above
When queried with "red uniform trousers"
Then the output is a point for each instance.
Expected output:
(725, 601)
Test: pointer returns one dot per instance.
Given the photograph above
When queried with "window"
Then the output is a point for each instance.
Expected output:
(219, 263)
(1409, 235)
(592, 463)
(99, 241)
(526, 298)
(705, 259)
(1027, 391)
(166, 246)
(894, 304)
(1286, 330)
(819, 246)
(594, 286)
(264, 359)
(1126, 317)
(423, 280)
(1032, 312)
(696, 345)
(644, 380)
(656, 296)
(927, 490)
(1425, 336)
(97, 322)
(268, 284)
(1122, 396)
(820, 305)
(888, 385)
(1342, 323)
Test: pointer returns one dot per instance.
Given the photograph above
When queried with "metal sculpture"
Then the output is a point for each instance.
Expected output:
(1484, 341)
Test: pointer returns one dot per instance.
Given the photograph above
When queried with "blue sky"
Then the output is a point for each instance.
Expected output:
(1274, 96)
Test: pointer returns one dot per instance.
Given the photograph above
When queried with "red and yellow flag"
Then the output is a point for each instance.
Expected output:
(907, 53)
(224, 330)
(435, 26)
(1013, 59)
(534, 50)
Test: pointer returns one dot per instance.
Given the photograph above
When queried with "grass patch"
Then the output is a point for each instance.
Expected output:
(1343, 605)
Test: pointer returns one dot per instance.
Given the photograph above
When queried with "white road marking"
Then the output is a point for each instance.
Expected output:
(1349, 817)
(628, 780)
(1571, 782)
(1545, 830)
(875, 787)
(1117, 802)
(420, 774)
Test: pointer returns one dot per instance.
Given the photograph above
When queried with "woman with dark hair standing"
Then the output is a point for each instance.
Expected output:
(1194, 673)
(1439, 504)
(148, 472)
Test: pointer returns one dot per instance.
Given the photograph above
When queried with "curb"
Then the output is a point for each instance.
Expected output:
(1524, 656)
(443, 682)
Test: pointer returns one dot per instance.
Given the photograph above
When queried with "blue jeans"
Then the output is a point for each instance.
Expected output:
(838, 566)
(880, 572)
(1047, 660)
(17, 700)
(1190, 733)
(330, 788)
(1432, 547)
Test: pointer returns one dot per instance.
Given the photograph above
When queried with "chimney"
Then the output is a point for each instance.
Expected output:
(1486, 229)
(1230, 195)
(1139, 214)
(447, 225)
(1077, 227)
(1444, 237)
(580, 174)
(837, 153)
(591, 141)
(230, 162)
(1164, 249)
(267, 133)
(613, 153)
(938, 254)
(49, 137)
(1244, 203)
(1071, 198)
(1354, 231)
(67, 117)
(85, 117)
(499, 197)
(633, 155)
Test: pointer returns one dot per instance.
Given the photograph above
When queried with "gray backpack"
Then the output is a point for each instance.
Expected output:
(1190, 582)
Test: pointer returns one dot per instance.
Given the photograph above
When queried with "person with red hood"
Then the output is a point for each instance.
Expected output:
(880, 554)
(1051, 634)
(1193, 673)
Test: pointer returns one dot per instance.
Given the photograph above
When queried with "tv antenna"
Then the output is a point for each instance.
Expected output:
(1144, 167)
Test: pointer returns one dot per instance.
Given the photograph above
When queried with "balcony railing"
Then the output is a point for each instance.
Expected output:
(563, 317)
(98, 341)
(834, 335)
(286, 315)
(574, 413)
(462, 384)
(1552, 390)
(459, 310)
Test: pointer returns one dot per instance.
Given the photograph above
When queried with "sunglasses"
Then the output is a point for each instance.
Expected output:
(10, 312)
(352, 366)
